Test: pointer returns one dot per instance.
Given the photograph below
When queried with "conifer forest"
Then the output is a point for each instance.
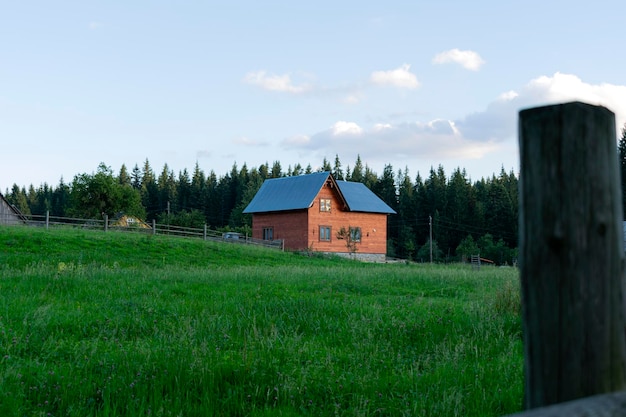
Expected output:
(464, 216)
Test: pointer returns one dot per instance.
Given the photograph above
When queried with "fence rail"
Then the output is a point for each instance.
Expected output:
(105, 224)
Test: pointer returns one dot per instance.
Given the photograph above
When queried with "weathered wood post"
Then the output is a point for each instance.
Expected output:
(571, 254)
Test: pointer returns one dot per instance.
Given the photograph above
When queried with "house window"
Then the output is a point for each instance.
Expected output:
(355, 234)
(325, 233)
(324, 204)
(268, 233)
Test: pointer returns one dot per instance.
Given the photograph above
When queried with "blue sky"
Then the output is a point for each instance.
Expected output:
(411, 84)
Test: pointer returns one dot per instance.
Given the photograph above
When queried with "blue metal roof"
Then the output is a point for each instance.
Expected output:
(287, 193)
(360, 198)
(298, 192)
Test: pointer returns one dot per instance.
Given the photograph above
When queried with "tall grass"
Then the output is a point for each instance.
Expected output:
(110, 324)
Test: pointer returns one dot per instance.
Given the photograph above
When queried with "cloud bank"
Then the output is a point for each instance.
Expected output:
(477, 136)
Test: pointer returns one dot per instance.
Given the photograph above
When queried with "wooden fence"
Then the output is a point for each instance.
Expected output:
(571, 262)
(106, 224)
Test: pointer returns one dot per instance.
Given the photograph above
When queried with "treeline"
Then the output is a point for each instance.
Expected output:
(463, 217)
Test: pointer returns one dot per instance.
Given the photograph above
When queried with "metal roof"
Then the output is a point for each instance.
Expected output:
(287, 193)
(299, 192)
(360, 198)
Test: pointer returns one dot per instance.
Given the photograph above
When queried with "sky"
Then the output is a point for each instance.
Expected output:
(411, 84)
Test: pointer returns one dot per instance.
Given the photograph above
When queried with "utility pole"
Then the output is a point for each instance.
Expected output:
(430, 225)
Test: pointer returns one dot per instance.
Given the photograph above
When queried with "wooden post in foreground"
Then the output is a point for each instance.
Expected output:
(571, 252)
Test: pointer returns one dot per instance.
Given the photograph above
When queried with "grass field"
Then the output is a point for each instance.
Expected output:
(116, 324)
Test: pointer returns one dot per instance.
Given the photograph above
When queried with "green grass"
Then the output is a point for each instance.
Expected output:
(115, 324)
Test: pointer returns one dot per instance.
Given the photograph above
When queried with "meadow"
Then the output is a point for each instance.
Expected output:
(125, 324)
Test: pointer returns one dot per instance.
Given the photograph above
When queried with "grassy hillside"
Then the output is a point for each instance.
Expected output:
(114, 324)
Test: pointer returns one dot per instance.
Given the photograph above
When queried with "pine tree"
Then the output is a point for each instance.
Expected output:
(325, 166)
(337, 171)
(60, 200)
(277, 171)
(123, 178)
(149, 192)
(196, 197)
(357, 171)
(136, 178)
(460, 207)
(18, 198)
(406, 245)
(183, 191)
(166, 191)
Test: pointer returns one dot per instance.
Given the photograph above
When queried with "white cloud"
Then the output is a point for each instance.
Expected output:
(281, 83)
(499, 121)
(566, 87)
(346, 128)
(382, 126)
(399, 77)
(487, 137)
(95, 25)
(509, 95)
(467, 59)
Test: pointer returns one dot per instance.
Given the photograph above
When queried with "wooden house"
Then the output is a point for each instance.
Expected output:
(318, 213)
(9, 214)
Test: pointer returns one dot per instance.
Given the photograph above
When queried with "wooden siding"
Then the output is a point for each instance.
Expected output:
(289, 226)
(8, 215)
(373, 225)
(300, 228)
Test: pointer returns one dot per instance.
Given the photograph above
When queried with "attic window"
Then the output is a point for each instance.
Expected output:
(324, 204)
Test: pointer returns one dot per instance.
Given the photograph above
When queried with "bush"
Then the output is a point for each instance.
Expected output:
(423, 254)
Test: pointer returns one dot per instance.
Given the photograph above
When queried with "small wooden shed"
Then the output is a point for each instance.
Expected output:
(9, 214)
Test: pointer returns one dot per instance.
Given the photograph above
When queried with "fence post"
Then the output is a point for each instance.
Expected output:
(47, 219)
(571, 251)
(153, 226)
